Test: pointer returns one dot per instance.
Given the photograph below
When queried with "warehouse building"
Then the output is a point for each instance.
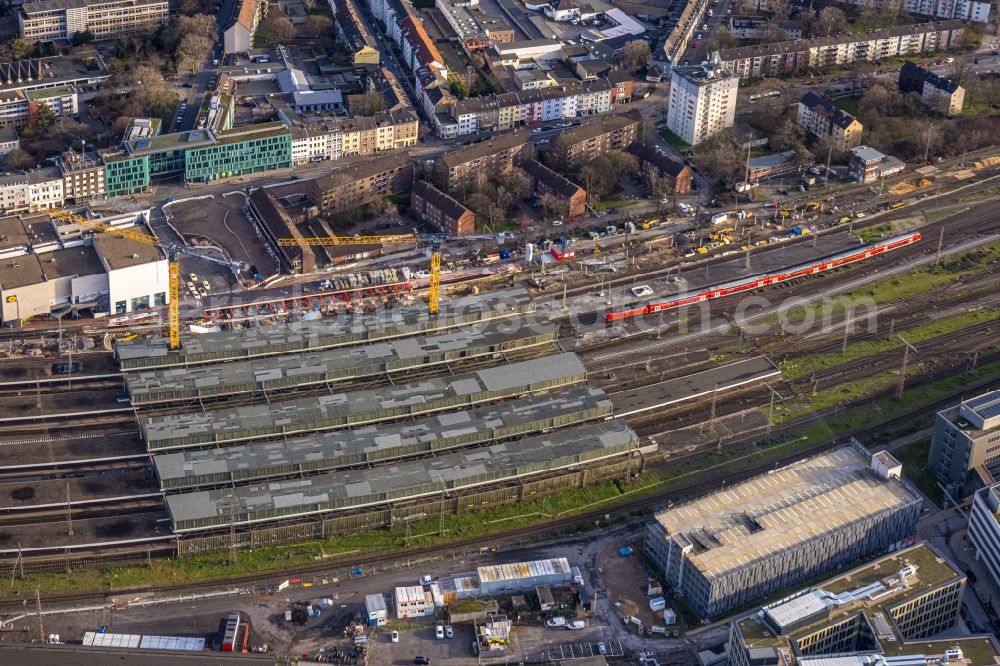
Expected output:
(325, 333)
(966, 440)
(733, 548)
(517, 577)
(874, 614)
(378, 444)
(276, 373)
(362, 407)
(355, 489)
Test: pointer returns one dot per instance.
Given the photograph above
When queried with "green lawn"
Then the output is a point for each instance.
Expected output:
(673, 139)
(849, 104)
(914, 458)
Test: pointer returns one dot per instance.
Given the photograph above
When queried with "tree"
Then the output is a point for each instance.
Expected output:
(487, 208)
(367, 104)
(457, 86)
(831, 22)
(516, 182)
(788, 135)
(16, 49)
(636, 54)
(18, 159)
(772, 32)
(45, 117)
(81, 37)
(599, 177)
(722, 158)
(275, 29)
(317, 26)
(552, 207)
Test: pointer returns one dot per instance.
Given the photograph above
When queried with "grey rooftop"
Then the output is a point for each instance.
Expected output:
(355, 488)
(377, 444)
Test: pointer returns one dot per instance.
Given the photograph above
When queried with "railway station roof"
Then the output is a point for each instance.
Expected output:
(352, 488)
(359, 407)
(333, 332)
(296, 369)
(388, 440)
(777, 511)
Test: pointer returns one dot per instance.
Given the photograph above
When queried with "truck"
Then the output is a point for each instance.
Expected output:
(719, 218)
(800, 230)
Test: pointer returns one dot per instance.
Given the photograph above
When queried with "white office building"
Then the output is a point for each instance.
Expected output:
(702, 101)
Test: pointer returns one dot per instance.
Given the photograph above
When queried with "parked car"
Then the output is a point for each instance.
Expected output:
(423, 661)
(576, 625)
(449, 632)
(425, 580)
(395, 637)
(554, 622)
(439, 632)
(602, 648)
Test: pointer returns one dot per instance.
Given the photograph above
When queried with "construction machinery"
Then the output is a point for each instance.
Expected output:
(171, 249)
(434, 287)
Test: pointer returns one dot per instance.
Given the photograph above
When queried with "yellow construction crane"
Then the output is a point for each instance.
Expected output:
(433, 289)
(172, 250)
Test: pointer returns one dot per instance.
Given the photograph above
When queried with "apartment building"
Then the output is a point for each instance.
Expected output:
(354, 34)
(733, 548)
(754, 27)
(441, 211)
(966, 439)
(31, 191)
(241, 28)
(47, 20)
(575, 147)
(968, 10)
(9, 140)
(820, 117)
(331, 138)
(27, 85)
(984, 530)
(702, 101)
(83, 175)
(655, 165)
(938, 93)
(545, 181)
(466, 165)
(363, 182)
(882, 612)
(783, 58)
(866, 164)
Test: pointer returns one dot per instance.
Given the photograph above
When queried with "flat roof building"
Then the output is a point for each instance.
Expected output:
(523, 576)
(50, 20)
(702, 101)
(735, 547)
(966, 440)
(883, 612)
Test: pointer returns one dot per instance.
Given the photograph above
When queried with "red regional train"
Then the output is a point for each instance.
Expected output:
(758, 281)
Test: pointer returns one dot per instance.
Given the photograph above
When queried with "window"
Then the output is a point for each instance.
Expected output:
(120, 307)
(140, 303)
(160, 299)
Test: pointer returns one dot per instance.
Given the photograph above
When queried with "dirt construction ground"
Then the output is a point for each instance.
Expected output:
(219, 222)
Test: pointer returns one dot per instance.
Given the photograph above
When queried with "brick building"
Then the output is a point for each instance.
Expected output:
(577, 146)
(546, 181)
(363, 182)
(436, 208)
(462, 167)
(653, 164)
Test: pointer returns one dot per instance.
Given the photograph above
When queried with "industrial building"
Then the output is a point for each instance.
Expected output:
(356, 489)
(517, 577)
(50, 266)
(966, 443)
(873, 614)
(331, 411)
(53, 20)
(734, 547)
(325, 333)
(379, 444)
(702, 101)
(275, 373)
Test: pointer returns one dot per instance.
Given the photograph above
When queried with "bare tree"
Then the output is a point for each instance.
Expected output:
(636, 54)
(317, 26)
(276, 28)
(831, 21)
(18, 159)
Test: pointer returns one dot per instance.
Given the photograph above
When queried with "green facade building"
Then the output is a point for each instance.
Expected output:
(240, 151)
